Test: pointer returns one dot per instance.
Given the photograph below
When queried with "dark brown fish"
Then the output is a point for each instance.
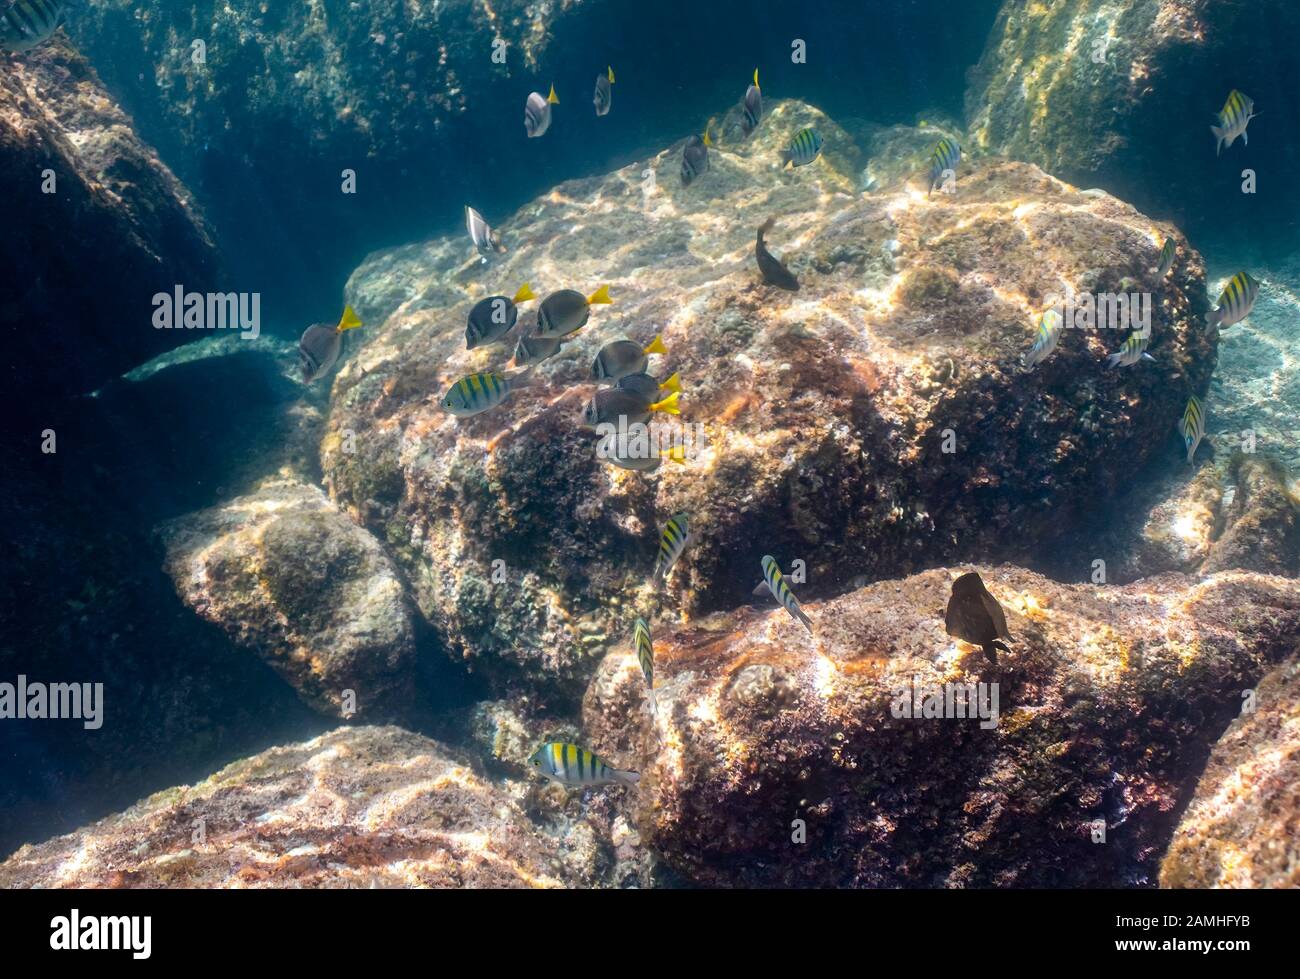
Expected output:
(974, 616)
(771, 267)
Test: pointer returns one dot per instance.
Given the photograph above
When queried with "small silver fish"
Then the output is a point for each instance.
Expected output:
(752, 107)
(566, 311)
(25, 24)
(604, 95)
(623, 357)
(537, 113)
(485, 239)
(1049, 333)
(321, 345)
(572, 766)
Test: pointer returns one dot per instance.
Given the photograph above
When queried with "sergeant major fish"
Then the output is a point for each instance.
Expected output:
(474, 394)
(492, 318)
(645, 655)
(604, 95)
(1192, 427)
(1167, 253)
(776, 585)
(803, 149)
(623, 357)
(567, 311)
(1049, 333)
(24, 24)
(771, 268)
(673, 540)
(1236, 301)
(1131, 351)
(1233, 120)
(572, 766)
(537, 113)
(321, 345)
(480, 232)
(943, 160)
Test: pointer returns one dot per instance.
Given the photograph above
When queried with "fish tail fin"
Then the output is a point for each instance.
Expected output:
(668, 404)
(677, 455)
(1214, 317)
(656, 346)
(802, 616)
(625, 777)
(609, 73)
(1147, 356)
(654, 707)
(524, 294)
(786, 157)
(1114, 359)
(674, 382)
(553, 98)
(766, 226)
(756, 85)
(1218, 138)
(350, 320)
(600, 297)
(707, 140)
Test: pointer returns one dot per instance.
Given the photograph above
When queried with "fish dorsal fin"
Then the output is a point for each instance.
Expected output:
(350, 320)
(656, 346)
(600, 297)
(524, 294)
(609, 72)
(553, 99)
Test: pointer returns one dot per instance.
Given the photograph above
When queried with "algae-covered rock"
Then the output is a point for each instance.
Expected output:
(1242, 828)
(284, 573)
(783, 759)
(872, 423)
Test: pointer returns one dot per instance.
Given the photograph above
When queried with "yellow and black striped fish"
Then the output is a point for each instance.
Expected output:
(1049, 333)
(1236, 301)
(672, 542)
(1192, 427)
(776, 584)
(26, 23)
(573, 766)
(803, 149)
(1233, 120)
(645, 655)
(945, 157)
(1166, 258)
(476, 393)
(1131, 351)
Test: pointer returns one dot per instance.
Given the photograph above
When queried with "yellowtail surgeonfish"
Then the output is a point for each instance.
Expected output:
(974, 616)
(777, 586)
(492, 318)
(650, 463)
(1192, 427)
(752, 107)
(604, 96)
(610, 404)
(1131, 351)
(537, 113)
(1233, 120)
(1049, 333)
(695, 157)
(771, 267)
(676, 535)
(531, 351)
(321, 345)
(649, 388)
(24, 24)
(567, 311)
(623, 357)
(485, 239)
(645, 655)
(803, 149)
(577, 767)
(1236, 301)
(474, 394)
(943, 160)
(1166, 258)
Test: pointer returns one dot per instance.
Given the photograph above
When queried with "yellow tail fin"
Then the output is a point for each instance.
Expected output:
(707, 141)
(553, 98)
(350, 320)
(524, 294)
(656, 346)
(668, 404)
(677, 455)
(600, 297)
(756, 85)
(611, 74)
(673, 383)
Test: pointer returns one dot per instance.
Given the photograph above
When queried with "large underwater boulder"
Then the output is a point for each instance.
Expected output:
(357, 807)
(1107, 706)
(284, 573)
(1242, 828)
(825, 415)
(83, 260)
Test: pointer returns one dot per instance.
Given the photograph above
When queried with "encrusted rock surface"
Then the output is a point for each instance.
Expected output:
(284, 572)
(1108, 705)
(824, 412)
(1242, 828)
(357, 807)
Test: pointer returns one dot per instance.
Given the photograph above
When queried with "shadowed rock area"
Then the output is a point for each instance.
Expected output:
(1108, 705)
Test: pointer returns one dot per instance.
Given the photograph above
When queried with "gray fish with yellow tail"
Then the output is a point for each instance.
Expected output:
(537, 113)
(610, 404)
(1192, 427)
(974, 616)
(752, 107)
(567, 311)
(672, 542)
(492, 318)
(774, 272)
(647, 463)
(485, 239)
(1236, 301)
(1237, 112)
(531, 351)
(474, 394)
(695, 157)
(649, 388)
(645, 655)
(604, 96)
(576, 767)
(321, 345)
(623, 357)
(781, 591)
